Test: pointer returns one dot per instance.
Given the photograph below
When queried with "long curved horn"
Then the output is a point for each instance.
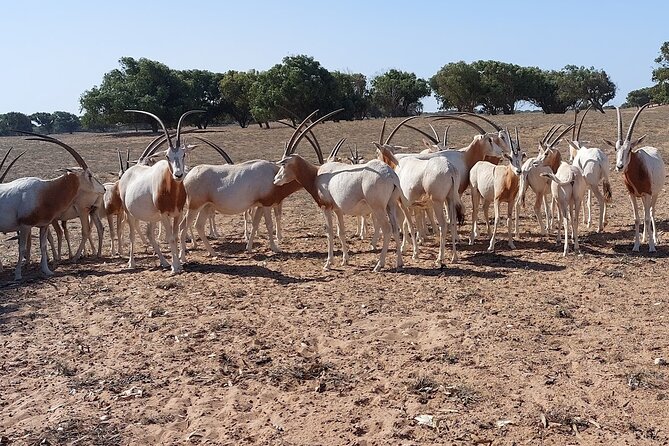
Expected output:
(216, 148)
(580, 124)
(2, 178)
(463, 120)
(436, 135)
(120, 160)
(636, 116)
(167, 135)
(446, 136)
(427, 135)
(181, 119)
(620, 124)
(517, 140)
(335, 149)
(398, 127)
(74, 153)
(311, 139)
(127, 159)
(573, 129)
(549, 133)
(306, 131)
(489, 121)
(557, 138)
(383, 130)
(294, 115)
(291, 141)
(2, 163)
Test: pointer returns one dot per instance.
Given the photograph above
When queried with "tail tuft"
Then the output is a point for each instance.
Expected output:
(460, 213)
(607, 191)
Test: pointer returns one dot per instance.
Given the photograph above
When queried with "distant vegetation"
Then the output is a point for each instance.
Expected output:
(658, 93)
(299, 85)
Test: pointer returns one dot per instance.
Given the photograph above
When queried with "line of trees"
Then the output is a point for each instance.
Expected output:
(658, 93)
(299, 84)
(56, 122)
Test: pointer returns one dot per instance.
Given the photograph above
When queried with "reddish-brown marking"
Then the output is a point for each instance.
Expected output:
(473, 153)
(115, 204)
(55, 198)
(492, 159)
(171, 195)
(636, 177)
(279, 193)
(305, 174)
(553, 159)
(510, 186)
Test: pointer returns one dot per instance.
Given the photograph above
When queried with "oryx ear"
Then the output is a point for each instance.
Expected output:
(606, 141)
(523, 156)
(378, 146)
(573, 144)
(635, 143)
(507, 156)
(427, 144)
(189, 147)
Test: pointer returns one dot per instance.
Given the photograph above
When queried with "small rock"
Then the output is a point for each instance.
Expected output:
(660, 361)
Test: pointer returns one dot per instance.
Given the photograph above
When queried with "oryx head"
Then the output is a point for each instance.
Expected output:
(625, 146)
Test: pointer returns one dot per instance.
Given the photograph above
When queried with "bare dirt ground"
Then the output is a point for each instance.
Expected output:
(517, 347)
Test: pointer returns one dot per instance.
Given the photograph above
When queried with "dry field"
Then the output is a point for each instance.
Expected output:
(516, 347)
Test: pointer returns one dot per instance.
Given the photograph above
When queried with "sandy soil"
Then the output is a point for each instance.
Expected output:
(517, 347)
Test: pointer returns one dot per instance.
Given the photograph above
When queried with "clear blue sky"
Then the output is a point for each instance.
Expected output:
(55, 50)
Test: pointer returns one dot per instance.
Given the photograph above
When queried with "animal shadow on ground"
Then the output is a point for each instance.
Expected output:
(247, 271)
(495, 259)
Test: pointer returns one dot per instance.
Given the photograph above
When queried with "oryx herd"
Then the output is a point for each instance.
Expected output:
(398, 192)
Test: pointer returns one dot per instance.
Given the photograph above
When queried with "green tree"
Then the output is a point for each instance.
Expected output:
(398, 93)
(661, 76)
(139, 84)
(502, 84)
(203, 93)
(457, 85)
(543, 90)
(295, 87)
(580, 86)
(14, 121)
(64, 122)
(637, 98)
(235, 95)
(352, 95)
(44, 121)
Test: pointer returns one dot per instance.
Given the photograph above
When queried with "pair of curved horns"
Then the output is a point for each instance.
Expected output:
(298, 134)
(335, 149)
(71, 151)
(634, 120)
(2, 163)
(576, 130)
(546, 140)
(162, 124)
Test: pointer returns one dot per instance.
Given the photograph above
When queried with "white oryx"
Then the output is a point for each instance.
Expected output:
(30, 201)
(347, 189)
(594, 164)
(156, 193)
(643, 173)
(568, 189)
(495, 184)
(431, 183)
(548, 160)
(234, 188)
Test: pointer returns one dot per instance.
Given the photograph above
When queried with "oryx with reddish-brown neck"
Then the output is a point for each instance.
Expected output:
(348, 189)
(28, 202)
(644, 173)
(233, 188)
(156, 193)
